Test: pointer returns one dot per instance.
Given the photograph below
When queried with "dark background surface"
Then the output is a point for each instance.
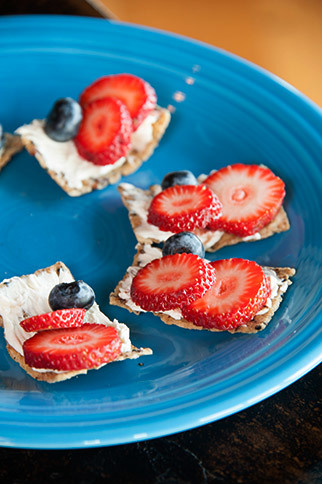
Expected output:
(276, 441)
(60, 7)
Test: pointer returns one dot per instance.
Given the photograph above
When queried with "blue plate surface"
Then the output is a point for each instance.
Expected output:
(225, 111)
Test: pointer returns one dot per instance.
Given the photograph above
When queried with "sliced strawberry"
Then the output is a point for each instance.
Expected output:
(182, 208)
(62, 318)
(240, 291)
(104, 135)
(251, 196)
(171, 282)
(89, 346)
(137, 94)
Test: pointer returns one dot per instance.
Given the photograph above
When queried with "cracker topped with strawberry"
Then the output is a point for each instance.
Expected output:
(54, 328)
(238, 203)
(9, 146)
(234, 295)
(113, 128)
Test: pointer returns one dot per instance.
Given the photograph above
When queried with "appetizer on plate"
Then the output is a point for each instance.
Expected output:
(9, 146)
(54, 328)
(238, 203)
(109, 133)
(182, 288)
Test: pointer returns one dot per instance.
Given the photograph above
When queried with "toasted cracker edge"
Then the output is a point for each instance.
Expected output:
(50, 376)
(133, 162)
(12, 145)
(279, 224)
(257, 324)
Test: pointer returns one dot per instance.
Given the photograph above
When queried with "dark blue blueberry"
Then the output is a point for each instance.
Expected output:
(183, 242)
(183, 177)
(2, 139)
(76, 294)
(63, 121)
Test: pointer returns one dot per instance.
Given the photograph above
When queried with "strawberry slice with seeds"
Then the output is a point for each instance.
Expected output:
(69, 349)
(104, 135)
(240, 291)
(171, 282)
(137, 94)
(251, 196)
(183, 208)
(62, 318)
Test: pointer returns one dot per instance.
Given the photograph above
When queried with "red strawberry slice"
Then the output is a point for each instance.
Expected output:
(171, 282)
(104, 135)
(182, 208)
(89, 346)
(241, 290)
(251, 196)
(62, 318)
(134, 92)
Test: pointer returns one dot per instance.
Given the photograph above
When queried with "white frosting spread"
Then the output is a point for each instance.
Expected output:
(144, 133)
(63, 157)
(150, 253)
(277, 286)
(23, 297)
(256, 236)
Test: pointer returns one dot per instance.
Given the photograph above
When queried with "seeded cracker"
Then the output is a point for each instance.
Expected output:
(130, 195)
(257, 324)
(57, 271)
(12, 145)
(134, 160)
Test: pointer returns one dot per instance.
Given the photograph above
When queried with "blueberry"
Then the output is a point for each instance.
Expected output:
(64, 119)
(76, 294)
(183, 177)
(2, 139)
(183, 242)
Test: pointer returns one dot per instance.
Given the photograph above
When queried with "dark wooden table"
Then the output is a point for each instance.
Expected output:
(276, 441)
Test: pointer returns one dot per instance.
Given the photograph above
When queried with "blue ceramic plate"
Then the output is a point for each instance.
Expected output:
(225, 111)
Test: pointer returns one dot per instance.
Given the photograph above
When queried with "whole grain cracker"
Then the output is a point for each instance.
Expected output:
(280, 223)
(134, 160)
(258, 323)
(51, 376)
(12, 145)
